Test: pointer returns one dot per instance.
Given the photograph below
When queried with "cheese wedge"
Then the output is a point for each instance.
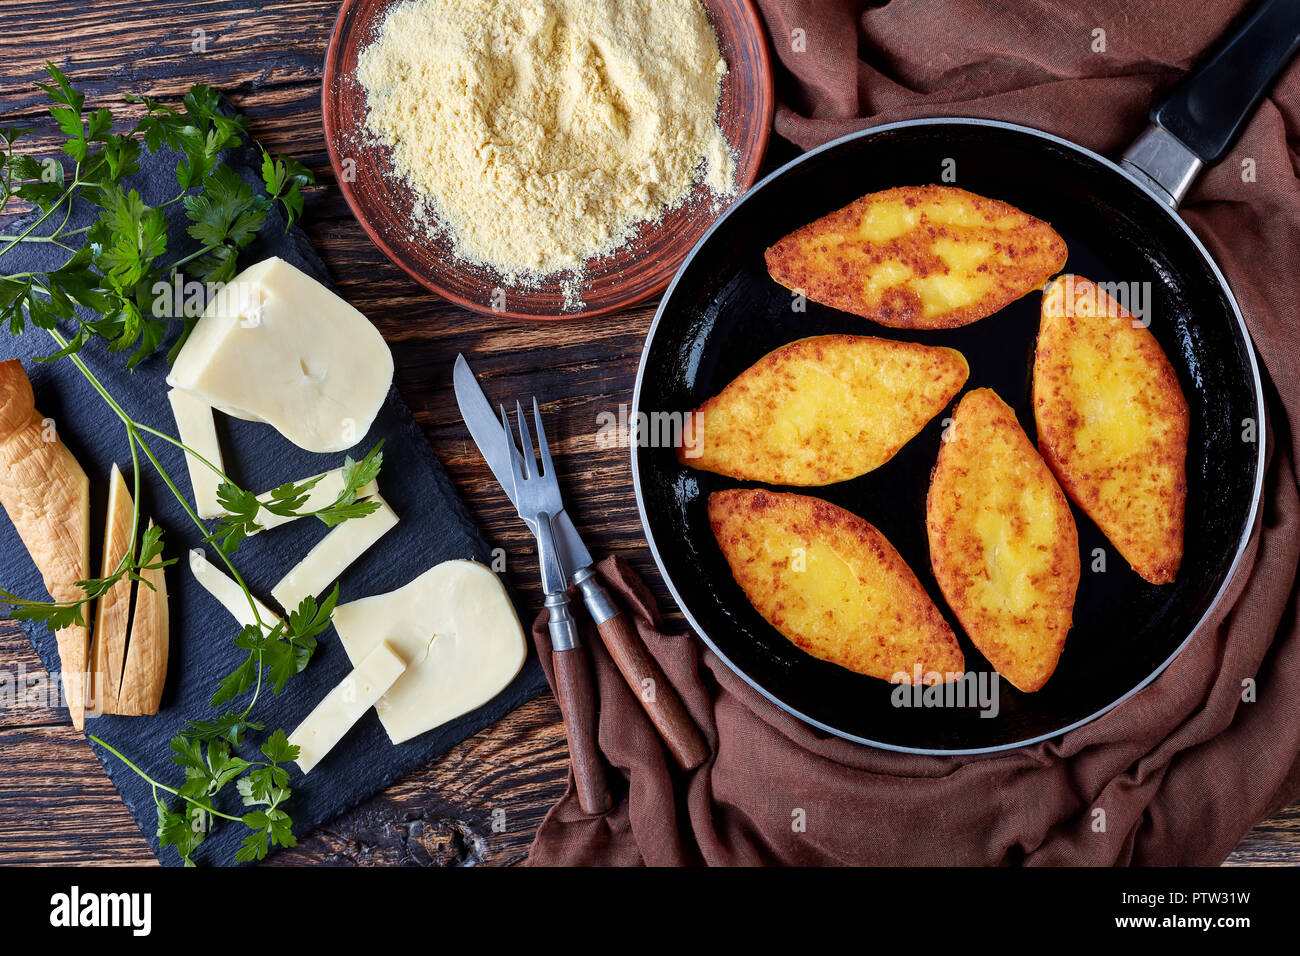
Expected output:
(228, 593)
(456, 629)
(276, 346)
(145, 672)
(1003, 543)
(198, 431)
(332, 555)
(113, 609)
(345, 704)
(323, 494)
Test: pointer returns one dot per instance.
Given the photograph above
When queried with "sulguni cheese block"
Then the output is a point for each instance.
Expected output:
(198, 431)
(332, 555)
(345, 704)
(323, 494)
(228, 593)
(276, 346)
(456, 629)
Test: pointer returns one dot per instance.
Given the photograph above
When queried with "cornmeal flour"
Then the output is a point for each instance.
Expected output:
(539, 135)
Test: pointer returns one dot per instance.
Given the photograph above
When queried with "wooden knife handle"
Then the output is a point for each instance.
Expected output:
(651, 687)
(577, 697)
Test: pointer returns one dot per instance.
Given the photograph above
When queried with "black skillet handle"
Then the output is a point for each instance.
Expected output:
(1207, 110)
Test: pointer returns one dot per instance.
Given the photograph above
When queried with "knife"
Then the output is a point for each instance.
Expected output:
(485, 429)
(639, 669)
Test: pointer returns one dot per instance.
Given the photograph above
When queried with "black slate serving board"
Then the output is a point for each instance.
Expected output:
(434, 526)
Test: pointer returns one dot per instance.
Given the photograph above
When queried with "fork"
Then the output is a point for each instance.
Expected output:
(537, 497)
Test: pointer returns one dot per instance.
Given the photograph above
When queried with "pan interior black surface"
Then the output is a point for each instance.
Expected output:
(724, 313)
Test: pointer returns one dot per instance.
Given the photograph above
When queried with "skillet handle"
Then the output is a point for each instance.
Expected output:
(1202, 116)
(1209, 107)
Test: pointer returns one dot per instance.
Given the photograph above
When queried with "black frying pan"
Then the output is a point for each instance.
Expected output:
(723, 312)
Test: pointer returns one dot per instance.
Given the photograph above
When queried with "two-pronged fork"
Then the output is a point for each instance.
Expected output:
(537, 496)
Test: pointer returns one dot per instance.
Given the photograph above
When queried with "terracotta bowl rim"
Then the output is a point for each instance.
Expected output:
(761, 67)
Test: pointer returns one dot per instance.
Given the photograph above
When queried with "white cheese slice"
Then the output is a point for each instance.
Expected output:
(345, 704)
(456, 629)
(332, 555)
(197, 430)
(228, 593)
(276, 346)
(323, 494)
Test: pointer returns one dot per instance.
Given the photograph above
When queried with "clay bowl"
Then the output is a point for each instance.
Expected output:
(642, 267)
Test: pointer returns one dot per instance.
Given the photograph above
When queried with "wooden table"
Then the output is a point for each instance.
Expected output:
(56, 804)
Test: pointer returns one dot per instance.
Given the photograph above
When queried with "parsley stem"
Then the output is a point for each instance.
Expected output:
(44, 216)
(9, 172)
(67, 213)
(162, 786)
(191, 257)
(54, 239)
(162, 472)
(135, 510)
(185, 448)
(257, 689)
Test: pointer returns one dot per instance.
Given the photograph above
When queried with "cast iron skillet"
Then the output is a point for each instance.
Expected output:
(723, 312)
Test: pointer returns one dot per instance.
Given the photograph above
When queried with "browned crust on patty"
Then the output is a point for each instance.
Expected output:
(1113, 424)
(1003, 544)
(822, 409)
(829, 261)
(882, 623)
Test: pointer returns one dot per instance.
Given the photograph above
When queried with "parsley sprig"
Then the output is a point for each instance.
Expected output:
(112, 270)
(263, 786)
(243, 509)
(204, 748)
(118, 271)
(56, 615)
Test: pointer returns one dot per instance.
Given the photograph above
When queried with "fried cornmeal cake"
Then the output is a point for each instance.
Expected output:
(833, 585)
(822, 409)
(919, 257)
(1113, 423)
(1003, 544)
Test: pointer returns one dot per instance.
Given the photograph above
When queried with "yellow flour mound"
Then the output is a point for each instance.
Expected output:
(541, 134)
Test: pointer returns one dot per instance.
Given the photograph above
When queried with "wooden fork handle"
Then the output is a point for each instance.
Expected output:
(577, 697)
(651, 687)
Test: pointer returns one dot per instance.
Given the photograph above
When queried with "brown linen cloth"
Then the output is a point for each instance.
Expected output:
(1184, 768)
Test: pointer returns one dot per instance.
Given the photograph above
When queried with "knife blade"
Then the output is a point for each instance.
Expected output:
(485, 428)
(641, 671)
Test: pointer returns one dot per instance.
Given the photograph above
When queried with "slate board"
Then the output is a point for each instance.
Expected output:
(434, 526)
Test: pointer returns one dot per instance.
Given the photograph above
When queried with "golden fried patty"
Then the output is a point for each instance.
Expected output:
(1113, 423)
(833, 585)
(919, 257)
(822, 409)
(1003, 544)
